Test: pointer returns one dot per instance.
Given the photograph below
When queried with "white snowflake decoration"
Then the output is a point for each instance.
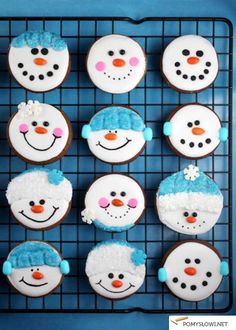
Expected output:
(31, 108)
(87, 216)
(191, 173)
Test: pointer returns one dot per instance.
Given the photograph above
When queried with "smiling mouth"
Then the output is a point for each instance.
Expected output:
(33, 285)
(130, 286)
(118, 78)
(26, 216)
(54, 140)
(117, 148)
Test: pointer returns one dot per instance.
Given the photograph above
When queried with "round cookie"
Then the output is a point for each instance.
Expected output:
(40, 198)
(35, 268)
(116, 63)
(39, 60)
(116, 134)
(194, 131)
(114, 202)
(192, 270)
(39, 133)
(189, 201)
(189, 64)
(115, 269)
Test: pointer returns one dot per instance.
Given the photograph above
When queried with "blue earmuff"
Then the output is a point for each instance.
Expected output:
(224, 134)
(7, 268)
(86, 129)
(162, 275)
(224, 268)
(167, 128)
(64, 267)
(148, 134)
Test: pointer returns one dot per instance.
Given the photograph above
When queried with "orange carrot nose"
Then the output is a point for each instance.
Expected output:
(190, 271)
(117, 283)
(40, 61)
(118, 62)
(110, 136)
(37, 208)
(40, 130)
(198, 131)
(117, 202)
(191, 219)
(193, 60)
(37, 275)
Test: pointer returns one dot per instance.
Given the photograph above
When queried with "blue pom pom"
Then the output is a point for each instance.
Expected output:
(167, 128)
(86, 130)
(64, 267)
(148, 134)
(224, 268)
(223, 134)
(7, 268)
(55, 177)
(138, 257)
(162, 275)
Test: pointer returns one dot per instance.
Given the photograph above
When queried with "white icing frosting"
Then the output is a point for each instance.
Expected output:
(207, 275)
(31, 108)
(50, 77)
(191, 172)
(32, 139)
(115, 200)
(116, 63)
(195, 131)
(190, 63)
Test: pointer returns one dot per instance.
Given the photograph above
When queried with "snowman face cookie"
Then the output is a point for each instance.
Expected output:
(35, 268)
(115, 269)
(116, 134)
(190, 63)
(40, 198)
(39, 133)
(114, 202)
(192, 270)
(116, 63)
(194, 131)
(39, 61)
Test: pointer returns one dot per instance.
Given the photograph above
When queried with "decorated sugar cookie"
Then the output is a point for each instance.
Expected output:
(115, 269)
(192, 270)
(189, 201)
(35, 268)
(116, 134)
(39, 60)
(39, 133)
(116, 63)
(189, 63)
(40, 198)
(114, 202)
(194, 131)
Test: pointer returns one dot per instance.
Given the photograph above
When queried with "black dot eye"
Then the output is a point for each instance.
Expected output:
(190, 124)
(197, 261)
(122, 52)
(185, 52)
(34, 51)
(115, 131)
(42, 201)
(37, 269)
(110, 275)
(187, 261)
(199, 53)
(121, 276)
(123, 193)
(113, 193)
(186, 214)
(44, 51)
(197, 122)
(34, 123)
(110, 53)
(31, 203)
(32, 269)
(194, 214)
(46, 123)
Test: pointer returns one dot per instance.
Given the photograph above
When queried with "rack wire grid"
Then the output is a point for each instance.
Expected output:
(154, 100)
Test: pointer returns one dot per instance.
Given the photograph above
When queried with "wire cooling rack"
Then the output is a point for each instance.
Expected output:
(154, 100)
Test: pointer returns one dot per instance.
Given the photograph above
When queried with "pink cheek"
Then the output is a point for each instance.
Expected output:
(100, 66)
(58, 132)
(23, 128)
(103, 202)
(134, 61)
(132, 202)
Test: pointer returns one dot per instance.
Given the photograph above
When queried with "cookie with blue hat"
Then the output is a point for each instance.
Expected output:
(189, 201)
(35, 268)
(116, 134)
